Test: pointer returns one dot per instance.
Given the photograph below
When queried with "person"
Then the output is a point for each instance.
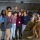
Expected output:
(18, 25)
(3, 14)
(36, 16)
(29, 28)
(8, 9)
(0, 20)
(7, 25)
(25, 20)
(13, 29)
(21, 12)
(15, 9)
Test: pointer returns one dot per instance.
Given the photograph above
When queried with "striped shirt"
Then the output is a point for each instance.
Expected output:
(13, 20)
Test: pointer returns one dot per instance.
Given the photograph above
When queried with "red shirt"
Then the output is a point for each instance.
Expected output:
(19, 21)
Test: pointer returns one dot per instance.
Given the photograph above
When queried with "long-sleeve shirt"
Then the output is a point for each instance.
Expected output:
(19, 21)
(13, 20)
(25, 19)
(1, 19)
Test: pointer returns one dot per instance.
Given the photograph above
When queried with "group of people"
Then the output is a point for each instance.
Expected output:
(12, 21)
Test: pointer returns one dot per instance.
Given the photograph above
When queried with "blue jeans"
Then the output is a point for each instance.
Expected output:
(23, 28)
(3, 34)
(13, 31)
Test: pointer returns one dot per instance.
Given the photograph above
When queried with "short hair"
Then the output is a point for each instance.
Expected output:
(8, 7)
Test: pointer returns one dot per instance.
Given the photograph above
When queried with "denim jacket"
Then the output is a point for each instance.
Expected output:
(1, 19)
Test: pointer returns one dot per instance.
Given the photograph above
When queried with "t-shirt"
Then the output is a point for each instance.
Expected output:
(25, 19)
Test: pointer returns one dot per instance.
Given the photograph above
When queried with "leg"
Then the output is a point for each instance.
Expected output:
(5, 38)
(23, 27)
(8, 34)
(16, 30)
(3, 34)
(11, 32)
(19, 30)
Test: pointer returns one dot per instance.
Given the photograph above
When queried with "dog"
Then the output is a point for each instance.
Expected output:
(36, 31)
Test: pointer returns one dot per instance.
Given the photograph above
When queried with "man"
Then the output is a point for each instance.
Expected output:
(25, 20)
(15, 9)
(21, 12)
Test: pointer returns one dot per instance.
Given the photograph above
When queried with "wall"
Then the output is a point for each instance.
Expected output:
(25, 6)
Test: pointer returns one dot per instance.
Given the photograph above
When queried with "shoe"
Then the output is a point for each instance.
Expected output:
(13, 38)
(10, 39)
(16, 37)
(2, 39)
(20, 38)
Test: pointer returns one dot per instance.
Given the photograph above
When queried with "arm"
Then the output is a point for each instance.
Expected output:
(33, 18)
(5, 23)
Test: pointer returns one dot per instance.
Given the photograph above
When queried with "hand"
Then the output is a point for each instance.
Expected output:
(12, 15)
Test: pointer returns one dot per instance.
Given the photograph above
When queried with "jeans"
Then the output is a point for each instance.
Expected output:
(19, 30)
(23, 28)
(13, 31)
(3, 34)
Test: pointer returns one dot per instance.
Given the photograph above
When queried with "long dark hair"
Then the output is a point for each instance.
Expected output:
(2, 13)
(18, 14)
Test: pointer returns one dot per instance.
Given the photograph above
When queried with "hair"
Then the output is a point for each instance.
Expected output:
(25, 11)
(18, 15)
(8, 7)
(2, 13)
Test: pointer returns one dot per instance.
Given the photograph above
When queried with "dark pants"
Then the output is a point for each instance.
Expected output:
(19, 30)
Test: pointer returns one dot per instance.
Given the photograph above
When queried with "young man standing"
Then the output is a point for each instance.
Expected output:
(25, 20)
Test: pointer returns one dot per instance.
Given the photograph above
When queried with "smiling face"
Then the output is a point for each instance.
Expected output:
(15, 14)
(9, 14)
(21, 10)
(9, 9)
(4, 12)
(15, 8)
(19, 14)
(24, 13)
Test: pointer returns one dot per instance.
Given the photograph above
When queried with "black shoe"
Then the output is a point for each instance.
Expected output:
(16, 37)
(13, 38)
(2, 39)
(20, 38)
(21, 34)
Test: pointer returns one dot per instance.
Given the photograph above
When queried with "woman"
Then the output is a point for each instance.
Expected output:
(13, 18)
(18, 25)
(8, 9)
(3, 13)
(7, 25)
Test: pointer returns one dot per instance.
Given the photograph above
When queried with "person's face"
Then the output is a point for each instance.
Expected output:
(15, 14)
(9, 13)
(9, 9)
(19, 13)
(15, 8)
(21, 10)
(3, 12)
(24, 13)
(27, 11)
